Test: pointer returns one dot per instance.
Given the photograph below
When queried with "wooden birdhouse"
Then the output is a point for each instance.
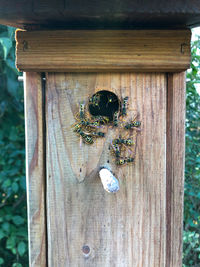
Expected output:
(105, 110)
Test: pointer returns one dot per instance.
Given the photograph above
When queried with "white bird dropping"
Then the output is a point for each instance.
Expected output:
(110, 183)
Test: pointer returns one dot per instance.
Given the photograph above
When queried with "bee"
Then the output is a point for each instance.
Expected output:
(132, 124)
(124, 106)
(115, 119)
(128, 142)
(95, 100)
(98, 134)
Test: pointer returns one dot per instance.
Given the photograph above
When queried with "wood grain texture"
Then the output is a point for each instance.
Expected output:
(175, 167)
(35, 170)
(125, 229)
(84, 51)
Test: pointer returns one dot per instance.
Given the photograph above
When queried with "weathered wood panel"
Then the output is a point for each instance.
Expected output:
(123, 229)
(84, 51)
(175, 167)
(35, 170)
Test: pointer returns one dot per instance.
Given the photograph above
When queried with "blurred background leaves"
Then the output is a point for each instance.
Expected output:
(191, 237)
(13, 219)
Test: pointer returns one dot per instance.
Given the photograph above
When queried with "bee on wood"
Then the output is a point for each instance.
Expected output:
(124, 106)
(132, 124)
(115, 119)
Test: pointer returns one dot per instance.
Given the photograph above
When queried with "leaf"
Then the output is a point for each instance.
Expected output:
(13, 228)
(18, 220)
(1, 234)
(6, 183)
(15, 187)
(6, 227)
(11, 242)
(7, 45)
(21, 248)
(1, 261)
(17, 265)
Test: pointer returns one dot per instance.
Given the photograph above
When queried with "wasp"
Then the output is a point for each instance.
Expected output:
(111, 99)
(129, 160)
(124, 106)
(115, 119)
(132, 124)
(101, 119)
(87, 123)
(98, 134)
(86, 137)
(77, 127)
(128, 142)
(116, 150)
(124, 161)
(95, 100)
(120, 161)
(82, 111)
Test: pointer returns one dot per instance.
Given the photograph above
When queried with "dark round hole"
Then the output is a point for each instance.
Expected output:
(104, 103)
(86, 249)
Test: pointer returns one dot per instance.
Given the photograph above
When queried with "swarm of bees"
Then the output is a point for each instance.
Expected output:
(87, 128)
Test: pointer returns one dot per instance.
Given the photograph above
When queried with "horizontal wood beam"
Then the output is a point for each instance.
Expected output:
(103, 50)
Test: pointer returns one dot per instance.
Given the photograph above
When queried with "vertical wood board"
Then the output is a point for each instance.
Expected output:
(123, 229)
(175, 167)
(35, 170)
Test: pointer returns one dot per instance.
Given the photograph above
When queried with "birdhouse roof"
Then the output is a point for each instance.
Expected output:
(69, 14)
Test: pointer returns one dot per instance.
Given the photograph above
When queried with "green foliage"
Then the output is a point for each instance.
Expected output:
(191, 238)
(13, 221)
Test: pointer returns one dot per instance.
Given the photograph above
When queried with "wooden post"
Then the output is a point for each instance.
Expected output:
(71, 218)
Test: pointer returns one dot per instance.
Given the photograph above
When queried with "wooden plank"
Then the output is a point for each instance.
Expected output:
(123, 229)
(35, 170)
(83, 51)
(68, 14)
(175, 167)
